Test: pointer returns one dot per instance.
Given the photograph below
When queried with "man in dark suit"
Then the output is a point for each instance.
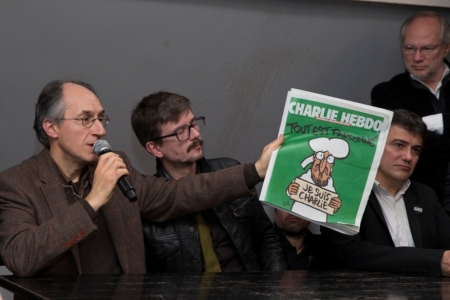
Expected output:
(232, 237)
(61, 211)
(424, 88)
(404, 228)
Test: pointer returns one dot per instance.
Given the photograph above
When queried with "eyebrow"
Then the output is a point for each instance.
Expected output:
(88, 112)
(405, 142)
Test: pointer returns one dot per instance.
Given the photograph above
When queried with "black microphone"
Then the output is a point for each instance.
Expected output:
(102, 147)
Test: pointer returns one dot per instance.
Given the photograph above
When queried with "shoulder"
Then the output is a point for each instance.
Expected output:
(25, 168)
(24, 177)
(423, 193)
(396, 82)
(420, 188)
(222, 163)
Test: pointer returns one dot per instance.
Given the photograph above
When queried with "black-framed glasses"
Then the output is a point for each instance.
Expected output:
(88, 121)
(184, 132)
(426, 50)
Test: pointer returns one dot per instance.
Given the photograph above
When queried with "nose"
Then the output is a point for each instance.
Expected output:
(322, 165)
(193, 133)
(98, 129)
(407, 155)
(418, 55)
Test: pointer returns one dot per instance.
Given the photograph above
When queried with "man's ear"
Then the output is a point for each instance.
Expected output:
(154, 149)
(447, 50)
(50, 128)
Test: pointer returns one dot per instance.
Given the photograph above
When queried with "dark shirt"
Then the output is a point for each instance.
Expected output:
(302, 261)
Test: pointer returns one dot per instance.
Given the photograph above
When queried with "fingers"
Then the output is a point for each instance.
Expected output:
(109, 169)
(263, 162)
(335, 203)
(274, 145)
(113, 165)
(293, 188)
(445, 263)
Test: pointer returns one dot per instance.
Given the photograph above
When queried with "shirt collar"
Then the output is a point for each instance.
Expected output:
(83, 176)
(445, 71)
(378, 189)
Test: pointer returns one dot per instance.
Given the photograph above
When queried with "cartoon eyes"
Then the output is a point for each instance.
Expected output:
(330, 159)
(320, 155)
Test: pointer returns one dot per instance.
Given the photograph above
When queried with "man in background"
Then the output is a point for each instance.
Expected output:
(234, 237)
(293, 232)
(424, 89)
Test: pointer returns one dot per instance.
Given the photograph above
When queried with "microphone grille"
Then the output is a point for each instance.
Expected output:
(101, 146)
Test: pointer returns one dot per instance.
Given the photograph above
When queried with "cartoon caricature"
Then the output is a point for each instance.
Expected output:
(313, 191)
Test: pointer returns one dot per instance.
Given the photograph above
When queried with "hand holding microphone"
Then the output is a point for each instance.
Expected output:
(102, 147)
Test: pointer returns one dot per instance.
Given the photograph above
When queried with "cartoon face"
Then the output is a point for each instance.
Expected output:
(321, 169)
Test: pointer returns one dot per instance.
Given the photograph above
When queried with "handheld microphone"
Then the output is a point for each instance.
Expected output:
(102, 147)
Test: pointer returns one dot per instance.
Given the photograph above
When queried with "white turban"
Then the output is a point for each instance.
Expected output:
(336, 147)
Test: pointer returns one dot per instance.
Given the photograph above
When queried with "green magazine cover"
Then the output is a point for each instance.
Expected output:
(324, 171)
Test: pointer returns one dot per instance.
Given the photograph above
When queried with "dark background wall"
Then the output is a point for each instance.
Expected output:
(235, 59)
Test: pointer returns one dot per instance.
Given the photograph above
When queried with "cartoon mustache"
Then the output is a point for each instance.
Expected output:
(194, 144)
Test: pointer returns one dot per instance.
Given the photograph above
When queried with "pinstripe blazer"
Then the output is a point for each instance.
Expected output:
(40, 229)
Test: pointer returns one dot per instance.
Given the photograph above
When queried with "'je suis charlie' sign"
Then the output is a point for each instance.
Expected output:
(325, 169)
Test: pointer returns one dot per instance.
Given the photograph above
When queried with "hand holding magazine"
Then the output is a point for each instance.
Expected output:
(324, 171)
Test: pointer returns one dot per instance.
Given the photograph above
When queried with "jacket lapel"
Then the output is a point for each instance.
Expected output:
(377, 208)
(112, 213)
(53, 191)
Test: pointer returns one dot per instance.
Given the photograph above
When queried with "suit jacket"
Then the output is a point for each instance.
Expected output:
(373, 249)
(40, 229)
(404, 92)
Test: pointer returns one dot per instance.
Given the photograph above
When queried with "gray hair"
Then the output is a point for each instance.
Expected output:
(50, 106)
(445, 26)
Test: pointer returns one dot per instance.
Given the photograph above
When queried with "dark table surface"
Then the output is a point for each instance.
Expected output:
(247, 285)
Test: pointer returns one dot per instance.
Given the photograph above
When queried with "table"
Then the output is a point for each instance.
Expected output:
(344, 284)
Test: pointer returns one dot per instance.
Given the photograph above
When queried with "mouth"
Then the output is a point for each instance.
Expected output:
(404, 167)
(91, 145)
(418, 68)
(195, 144)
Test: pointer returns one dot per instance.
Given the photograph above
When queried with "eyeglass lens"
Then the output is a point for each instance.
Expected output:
(408, 49)
(184, 132)
(89, 121)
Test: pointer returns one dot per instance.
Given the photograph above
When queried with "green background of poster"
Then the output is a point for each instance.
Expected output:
(349, 174)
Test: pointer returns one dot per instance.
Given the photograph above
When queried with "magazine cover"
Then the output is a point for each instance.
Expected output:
(324, 171)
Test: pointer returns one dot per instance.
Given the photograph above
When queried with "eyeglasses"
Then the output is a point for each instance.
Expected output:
(429, 49)
(88, 121)
(184, 132)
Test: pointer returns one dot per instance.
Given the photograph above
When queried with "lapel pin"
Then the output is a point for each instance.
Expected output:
(418, 210)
